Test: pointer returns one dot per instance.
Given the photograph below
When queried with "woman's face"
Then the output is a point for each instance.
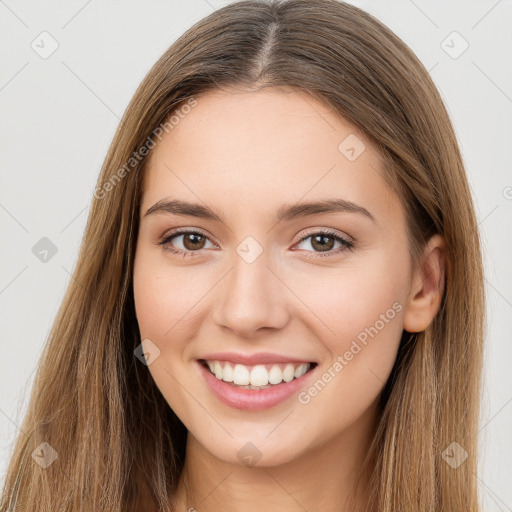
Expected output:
(259, 277)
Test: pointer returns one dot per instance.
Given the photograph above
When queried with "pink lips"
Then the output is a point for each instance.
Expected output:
(253, 359)
(252, 399)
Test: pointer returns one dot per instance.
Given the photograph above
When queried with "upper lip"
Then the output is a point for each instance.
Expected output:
(253, 359)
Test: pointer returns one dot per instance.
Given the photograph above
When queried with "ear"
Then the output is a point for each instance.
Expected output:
(427, 287)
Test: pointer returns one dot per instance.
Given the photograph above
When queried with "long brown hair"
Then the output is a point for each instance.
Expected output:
(118, 443)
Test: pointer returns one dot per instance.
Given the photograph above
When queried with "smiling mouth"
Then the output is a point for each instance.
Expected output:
(259, 376)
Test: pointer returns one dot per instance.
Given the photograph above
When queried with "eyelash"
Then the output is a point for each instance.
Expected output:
(346, 244)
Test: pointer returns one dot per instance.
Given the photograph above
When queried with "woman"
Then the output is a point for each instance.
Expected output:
(278, 301)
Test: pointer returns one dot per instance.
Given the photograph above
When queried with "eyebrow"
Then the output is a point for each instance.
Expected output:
(284, 213)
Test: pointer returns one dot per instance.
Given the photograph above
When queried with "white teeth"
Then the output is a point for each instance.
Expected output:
(240, 375)
(275, 375)
(227, 373)
(217, 369)
(301, 370)
(289, 373)
(258, 376)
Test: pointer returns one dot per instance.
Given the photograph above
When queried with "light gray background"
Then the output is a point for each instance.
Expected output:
(58, 116)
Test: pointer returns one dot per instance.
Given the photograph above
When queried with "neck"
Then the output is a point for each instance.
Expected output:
(326, 477)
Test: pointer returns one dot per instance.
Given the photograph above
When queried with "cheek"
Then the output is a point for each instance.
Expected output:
(165, 298)
(358, 312)
(349, 301)
(164, 301)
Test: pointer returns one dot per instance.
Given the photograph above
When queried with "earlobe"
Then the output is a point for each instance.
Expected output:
(427, 287)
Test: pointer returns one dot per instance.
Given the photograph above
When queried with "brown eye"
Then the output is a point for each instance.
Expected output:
(185, 243)
(324, 242)
(193, 241)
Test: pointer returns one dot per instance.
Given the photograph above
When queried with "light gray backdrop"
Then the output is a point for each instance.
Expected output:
(67, 72)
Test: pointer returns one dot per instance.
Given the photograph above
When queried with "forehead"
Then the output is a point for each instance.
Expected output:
(261, 149)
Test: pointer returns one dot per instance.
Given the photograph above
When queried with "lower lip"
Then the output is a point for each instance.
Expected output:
(252, 399)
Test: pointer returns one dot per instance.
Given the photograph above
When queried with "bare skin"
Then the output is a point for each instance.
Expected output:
(245, 155)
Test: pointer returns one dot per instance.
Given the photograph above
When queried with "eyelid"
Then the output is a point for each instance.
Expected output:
(329, 231)
(176, 232)
(184, 231)
(347, 241)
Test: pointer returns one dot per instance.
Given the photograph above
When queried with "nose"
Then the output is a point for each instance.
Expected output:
(251, 298)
